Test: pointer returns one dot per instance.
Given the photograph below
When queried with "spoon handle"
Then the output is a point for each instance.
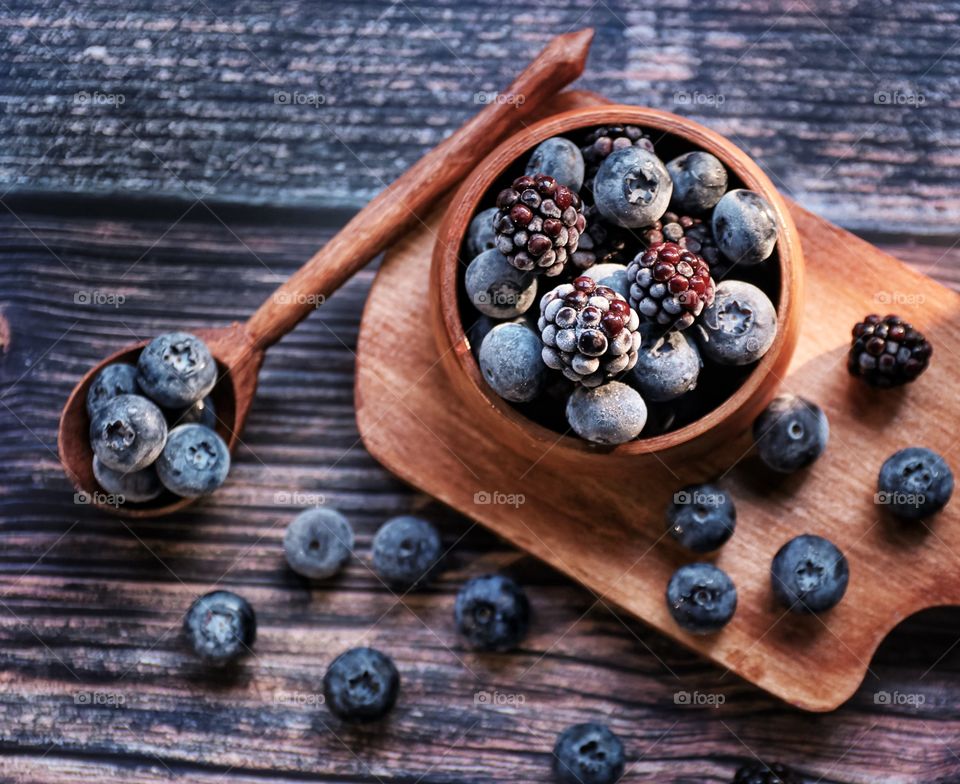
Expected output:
(403, 203)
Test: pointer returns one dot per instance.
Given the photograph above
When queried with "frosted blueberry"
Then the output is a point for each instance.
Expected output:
(809, 574)
(612, 275)
(511, 362)
(701, 598)
(915, 483)
(744, 227)
(791, 433)
(668, 364)
(318, 542)
(632, 188)
(492, 612)
(176, 370)
(220, 626)
(609, 414)
(739, 327)
(134, 486)
(497, 288)
(127, 433)
(114, 380)
(361, 685)
(561, 159)
(406, 551)
(194, 462)
(699, 180)
(588, 754)
(701, 517)
(481, 235)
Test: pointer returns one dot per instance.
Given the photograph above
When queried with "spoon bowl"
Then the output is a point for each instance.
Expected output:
(239, 349)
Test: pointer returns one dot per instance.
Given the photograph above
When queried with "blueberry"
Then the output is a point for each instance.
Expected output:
(220, 626)
(744, 227)
(701, 598)
(133, 486)
(791, 433)
(481, 235)
(497, 288)
(699, 180)
(176, 370)
(492, 612)
(406, 551)
(561, 159)
(632, 188)
(127, 433)
(113, 381)
(809, 574)
(668, 364)
(194, 462)
(613, 413)
(361, 685)
(611, 275)
(915, 482)
(701, 517)
(201, 413)
(739, 327)
(511, 362)
(588, 754)
(318, 542)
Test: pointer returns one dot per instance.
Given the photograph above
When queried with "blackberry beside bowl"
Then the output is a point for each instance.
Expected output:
(729, 398)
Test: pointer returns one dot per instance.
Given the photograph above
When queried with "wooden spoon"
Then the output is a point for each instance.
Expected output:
(239, 349)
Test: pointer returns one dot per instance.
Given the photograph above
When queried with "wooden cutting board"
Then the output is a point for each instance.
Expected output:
(603, 525)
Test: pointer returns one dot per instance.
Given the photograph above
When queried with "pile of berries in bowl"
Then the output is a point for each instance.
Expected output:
(621, 282)
(152, 424)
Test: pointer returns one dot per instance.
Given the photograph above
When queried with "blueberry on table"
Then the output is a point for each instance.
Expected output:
(176, 369)
(318, 542)
(744, 227)
(632, 188)
(791, 433)
(701, 598)
(699, 181)
(492, 612)
(761, 773)
(113, 381)
(361, 685)
(127, 433)
(406, 551)
(194, 462)
(915, 483)
(809, 574)
(740, 325)
(480, 235)
(559, 158)
(701, 517)
(133, 486)
(498, 289)
(221, 626)
(588, 754)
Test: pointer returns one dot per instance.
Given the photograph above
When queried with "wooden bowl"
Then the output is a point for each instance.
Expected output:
(676, 135)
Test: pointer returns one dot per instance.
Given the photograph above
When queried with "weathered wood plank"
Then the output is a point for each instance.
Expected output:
(92, 607)
(321, 105)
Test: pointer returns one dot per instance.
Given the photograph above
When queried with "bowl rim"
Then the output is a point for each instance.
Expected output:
(446, 262)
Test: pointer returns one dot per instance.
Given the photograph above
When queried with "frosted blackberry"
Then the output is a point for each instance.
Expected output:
(670, 285)
(588, 331)
(602, 242)
(888, 352)
(604, 140)
(538, 224)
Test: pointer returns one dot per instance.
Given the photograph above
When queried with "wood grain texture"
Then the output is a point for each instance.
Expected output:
(92, 605)
(323, 105)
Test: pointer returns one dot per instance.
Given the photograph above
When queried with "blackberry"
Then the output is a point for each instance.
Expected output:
(604, 140)
(761, 773)
(538, 224)
(688, 232)
(670, 285)
(602, 242)
(588, 331)
(888, 352)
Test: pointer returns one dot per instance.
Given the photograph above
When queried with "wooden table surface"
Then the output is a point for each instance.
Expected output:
(166, 165)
